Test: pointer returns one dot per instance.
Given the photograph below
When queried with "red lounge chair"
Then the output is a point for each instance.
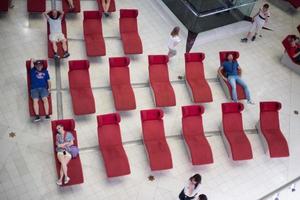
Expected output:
(236, 142)
(4, 5)
(36, 6)
(294, 3)
(74, 166)
(224, 83)
(193, 134)
(93, 37)
(269, 130)
(195, 78)
(60, 50)
(30, 101)
(80, 87)
(157, 148)
(110, 144)
(120, 83)
(160, 85)
(112, 6)
(130, 37)
(287, 58)
(65, 6)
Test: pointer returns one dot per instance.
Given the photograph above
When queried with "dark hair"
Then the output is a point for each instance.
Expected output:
(202, 197)
(197, 179)
(51, 14)
(175, 31)
(293, 37)
(266, 6)
(38, 62)
(228, 55)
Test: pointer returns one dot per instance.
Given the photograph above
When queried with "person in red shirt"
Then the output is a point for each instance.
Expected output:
(294, 49)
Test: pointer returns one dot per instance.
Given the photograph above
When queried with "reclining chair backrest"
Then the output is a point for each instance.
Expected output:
(109, 138)
(194, 110)
(95, 25)
(232, 117)
(158, 68)
(194, 65)
(128, 20)
(286, 44)
(92, 15)
(79, 64)
(223, 55)
(155, 117)
(192, 120)
(269, 117)
(81, 78)
(119, 62)
(194, 57)
(119, 70)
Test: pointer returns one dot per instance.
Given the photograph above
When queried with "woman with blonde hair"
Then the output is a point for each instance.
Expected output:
(173, 41)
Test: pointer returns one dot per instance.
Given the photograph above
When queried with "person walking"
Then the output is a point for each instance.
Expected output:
(173, 41)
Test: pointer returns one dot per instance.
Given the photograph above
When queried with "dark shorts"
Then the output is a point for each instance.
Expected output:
(39, 93)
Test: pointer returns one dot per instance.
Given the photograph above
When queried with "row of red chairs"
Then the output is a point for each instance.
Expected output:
(199, 150)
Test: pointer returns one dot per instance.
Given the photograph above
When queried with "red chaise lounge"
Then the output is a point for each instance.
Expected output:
(4, 5)
(110, 144)
(154, 139)
(80, 87)
(120, 83)
(66, 7)
(269, 130)
(287, 58)
(236, 142)
(195, 78)
(160, 85)
(30, 101)
(192, 130)
(224, 83)
(132, 43)
(294, 3)
(93, 36)
(36, 6)
(74, 166)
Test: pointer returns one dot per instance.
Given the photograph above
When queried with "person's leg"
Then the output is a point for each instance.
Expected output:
(258, 27)
(245, 87)
(44, 95)
(106, 4)
(253, 27)
(71, 4)
(36, 106)
(64, 45)
(54, 46)
(34, 93)
(66, 159)
(46, 105)
(61, 172)
(232, 82)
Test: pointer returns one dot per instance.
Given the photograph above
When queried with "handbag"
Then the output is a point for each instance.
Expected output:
(74, 151)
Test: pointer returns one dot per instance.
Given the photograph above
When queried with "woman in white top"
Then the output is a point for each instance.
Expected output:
(192, 188)
(173, 41)
(259, 21)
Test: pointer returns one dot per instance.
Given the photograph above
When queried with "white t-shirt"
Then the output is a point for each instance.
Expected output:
(262, 16)
(173, 41)
(195, 191)
(55, 25)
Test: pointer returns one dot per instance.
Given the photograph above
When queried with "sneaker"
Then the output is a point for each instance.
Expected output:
(180, 77)
(56, 56)
(250, 102)
(245, 40)
(253, 38)
(67, 179)
(59, 182)
(37, 118)
(47, 117)
(106, 14)
(66, 54)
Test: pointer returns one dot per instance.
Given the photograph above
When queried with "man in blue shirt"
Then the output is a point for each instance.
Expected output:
(40, 86)
(231, 68)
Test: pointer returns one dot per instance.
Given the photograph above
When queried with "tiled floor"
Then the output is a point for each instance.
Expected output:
(27, 169)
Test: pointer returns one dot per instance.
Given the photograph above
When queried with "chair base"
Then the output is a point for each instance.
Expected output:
(225, 141)
(288, 62)
(262, 138)
(224, 87)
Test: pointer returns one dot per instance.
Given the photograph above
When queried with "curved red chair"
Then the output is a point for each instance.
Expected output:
(74, 166)
(93, 36)
(65, 6)
(195, 78)
(110, 144)
(132, 43)
(80, 87)
(30, 101)
(287, 58)
(112, 6)
(236, 142)
(36, 6)
(294, 3)
(269, 130)
(224, 83)
(154, 139)
(4, 5)
(120, 83)
(193, 134)
(160, 84)
(60, 50)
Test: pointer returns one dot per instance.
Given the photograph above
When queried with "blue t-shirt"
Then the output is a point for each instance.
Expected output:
(38, 79)
(231, 67)
(60, 140)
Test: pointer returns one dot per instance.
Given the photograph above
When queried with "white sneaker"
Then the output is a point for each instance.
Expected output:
(59, 182)
(250, 102)
(67, 179)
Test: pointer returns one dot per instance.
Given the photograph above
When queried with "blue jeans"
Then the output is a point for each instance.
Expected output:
(233, 80)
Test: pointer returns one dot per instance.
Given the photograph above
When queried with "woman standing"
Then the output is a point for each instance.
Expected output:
(191, 189)
(173, 41)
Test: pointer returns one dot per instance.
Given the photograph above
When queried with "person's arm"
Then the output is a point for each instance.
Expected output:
(61, 14)
(220, 72)
(32, 62)
(46, 15)
(296, 54)
(239, 69)
(49, 86)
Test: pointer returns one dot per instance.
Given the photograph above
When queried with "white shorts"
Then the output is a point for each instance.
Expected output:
(62, 154)
(56, 37)
(257, 24)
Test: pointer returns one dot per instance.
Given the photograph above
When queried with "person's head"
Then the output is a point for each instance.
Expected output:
(54, 14)
(196, 179)
(266, 7)
(38, 65)
(202, 197)
(175, 31)
(293, 40)
(229, 56)
(60, 128)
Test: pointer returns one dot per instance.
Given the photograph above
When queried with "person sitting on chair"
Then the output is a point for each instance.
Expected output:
(231, 68)
(56, 34)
